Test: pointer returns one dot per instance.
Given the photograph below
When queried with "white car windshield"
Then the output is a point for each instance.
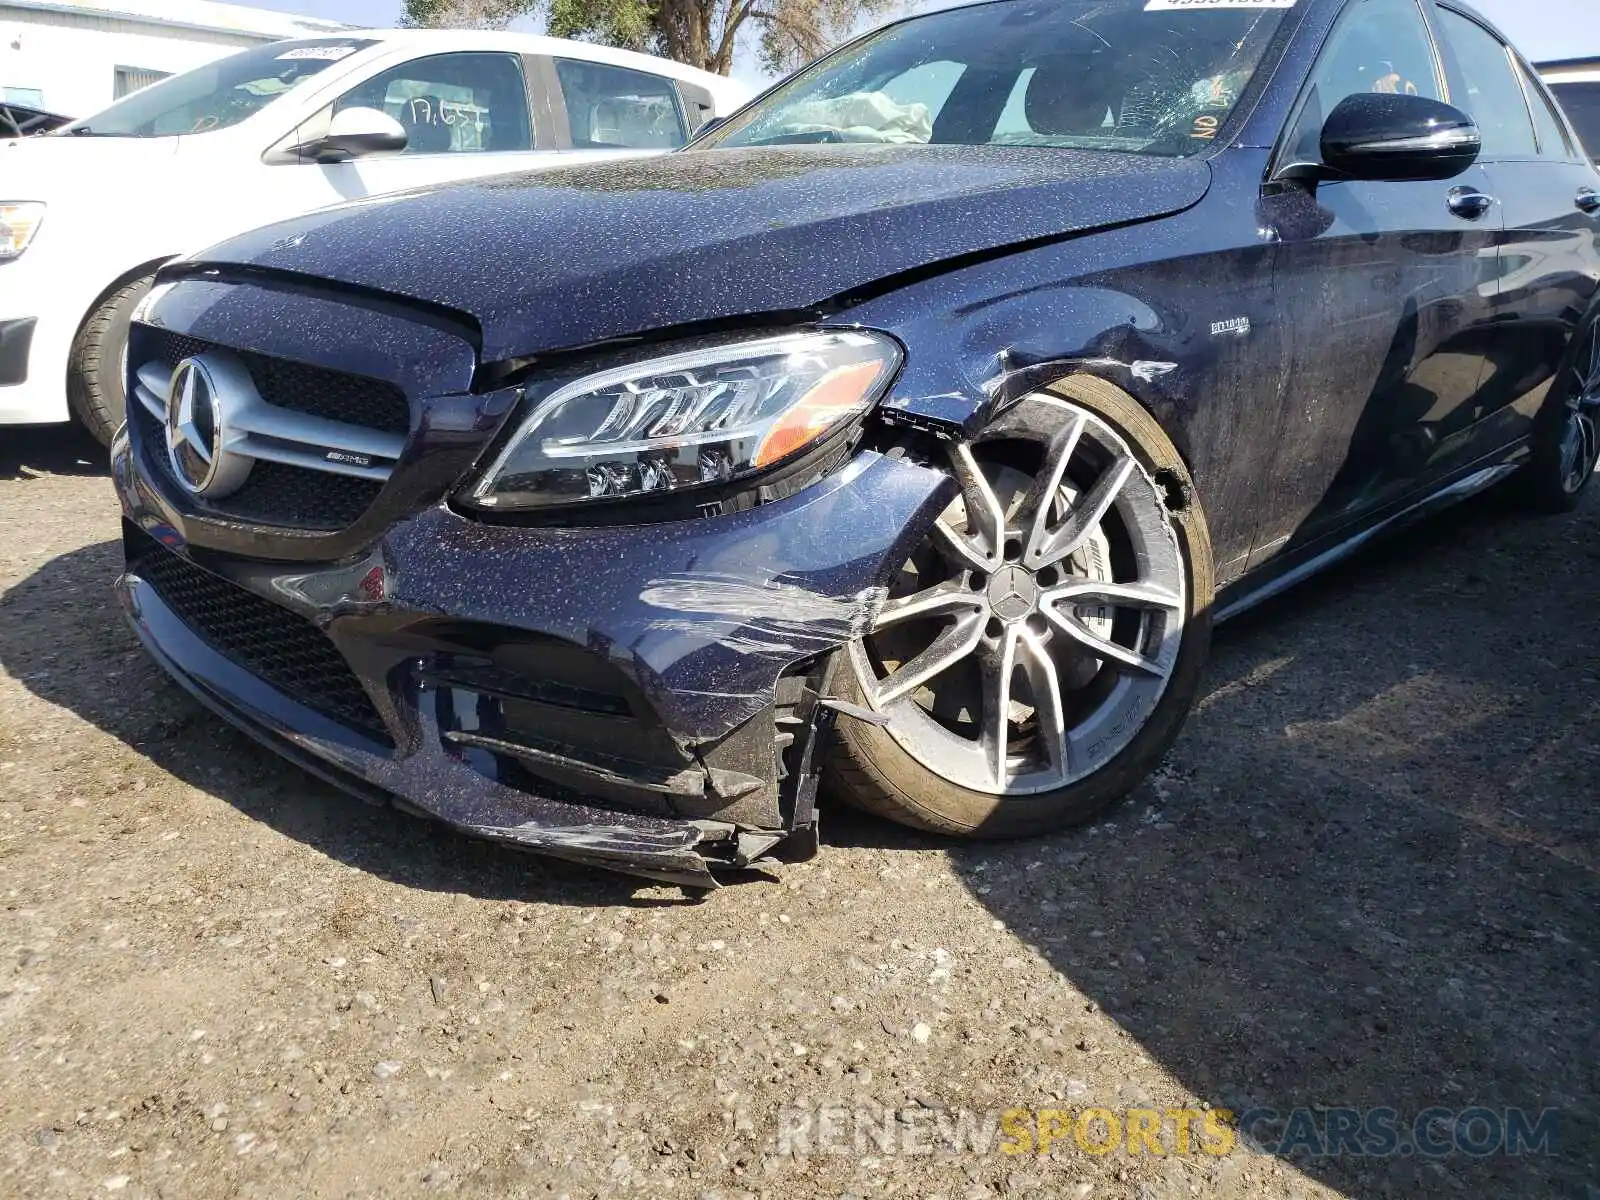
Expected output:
(1149, 76)
(219, 94)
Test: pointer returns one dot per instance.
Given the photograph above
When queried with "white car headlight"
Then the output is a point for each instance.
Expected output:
(19, 221)
(696, 419)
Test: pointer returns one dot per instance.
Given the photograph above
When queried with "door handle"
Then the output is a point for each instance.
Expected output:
(1470, 203)
(1588, 201)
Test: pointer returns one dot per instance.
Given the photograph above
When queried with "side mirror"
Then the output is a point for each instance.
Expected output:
(357, 133)
(706, 127)
(1377, 135)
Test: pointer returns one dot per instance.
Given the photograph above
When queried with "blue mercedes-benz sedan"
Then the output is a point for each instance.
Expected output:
(907, 432)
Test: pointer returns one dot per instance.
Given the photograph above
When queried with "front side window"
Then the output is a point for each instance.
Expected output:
(1378, 46)
(452, 103)
(1582, 104)
(1494, 96)
(613, 108)
(219, 94)
(1146, 76)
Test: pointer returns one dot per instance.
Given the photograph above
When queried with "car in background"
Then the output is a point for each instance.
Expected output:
(914, 425)
(89, 213)
(19, 120)
(1576, 84)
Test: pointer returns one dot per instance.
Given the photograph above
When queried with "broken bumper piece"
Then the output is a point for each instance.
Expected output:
(428, 781)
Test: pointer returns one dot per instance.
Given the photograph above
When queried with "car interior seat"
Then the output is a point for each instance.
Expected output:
(1070, 94)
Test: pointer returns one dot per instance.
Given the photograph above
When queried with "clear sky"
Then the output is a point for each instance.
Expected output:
(1543, 29)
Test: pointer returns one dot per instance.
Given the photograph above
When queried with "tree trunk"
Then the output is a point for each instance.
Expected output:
(686, 32)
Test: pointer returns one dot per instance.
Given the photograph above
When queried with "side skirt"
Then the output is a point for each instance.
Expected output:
(1244, 595)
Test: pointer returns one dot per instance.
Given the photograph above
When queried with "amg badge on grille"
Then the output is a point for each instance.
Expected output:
(345, 456)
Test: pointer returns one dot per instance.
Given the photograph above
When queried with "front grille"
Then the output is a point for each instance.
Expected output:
(279, 493)
(300, 387)
(282, 649)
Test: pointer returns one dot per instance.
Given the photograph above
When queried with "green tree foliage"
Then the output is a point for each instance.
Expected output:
(702, 33)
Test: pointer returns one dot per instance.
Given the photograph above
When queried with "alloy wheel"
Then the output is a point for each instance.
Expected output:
(1030, 637)
(1580, 439)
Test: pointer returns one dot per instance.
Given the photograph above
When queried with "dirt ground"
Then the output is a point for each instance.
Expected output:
(1365, 877)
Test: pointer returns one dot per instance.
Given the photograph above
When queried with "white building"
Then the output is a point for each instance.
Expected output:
(77, 56)
(1567, 67)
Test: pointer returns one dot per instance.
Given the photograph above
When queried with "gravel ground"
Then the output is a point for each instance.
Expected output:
(1365, 877)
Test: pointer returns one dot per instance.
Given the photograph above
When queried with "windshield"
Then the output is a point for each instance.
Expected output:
(1582, 102)
(1151, 76)
(219, 94)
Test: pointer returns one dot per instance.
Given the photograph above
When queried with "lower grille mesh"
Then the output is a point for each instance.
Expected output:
(281, 648)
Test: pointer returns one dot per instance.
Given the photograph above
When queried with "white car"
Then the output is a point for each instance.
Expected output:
(88, 214)
(1576, 84)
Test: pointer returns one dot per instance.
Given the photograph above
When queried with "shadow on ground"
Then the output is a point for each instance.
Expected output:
(50, 450)
(1366, 876)
(63, 637)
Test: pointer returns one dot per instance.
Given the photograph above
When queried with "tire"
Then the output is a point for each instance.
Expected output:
(885, 769)
(95, 388)
(1566, 437)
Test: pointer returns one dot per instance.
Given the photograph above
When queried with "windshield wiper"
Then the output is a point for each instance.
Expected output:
(812, 137)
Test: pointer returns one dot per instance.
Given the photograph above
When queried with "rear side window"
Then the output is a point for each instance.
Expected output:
(1494, 97)
(1553, 141)
(452, 103)
(613, 108)
(1582, 104)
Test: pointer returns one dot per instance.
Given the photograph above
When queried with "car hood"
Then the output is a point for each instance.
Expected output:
(574, 256)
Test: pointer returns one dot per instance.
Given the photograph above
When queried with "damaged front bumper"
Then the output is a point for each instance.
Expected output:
(428, 780)
(644, 698)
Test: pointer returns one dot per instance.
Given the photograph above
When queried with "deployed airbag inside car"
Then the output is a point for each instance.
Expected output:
(862, 117)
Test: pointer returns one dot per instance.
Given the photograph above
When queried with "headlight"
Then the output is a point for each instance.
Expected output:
(697, 419)
(19, 221)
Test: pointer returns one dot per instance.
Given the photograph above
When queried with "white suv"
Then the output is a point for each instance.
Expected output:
(89, 213)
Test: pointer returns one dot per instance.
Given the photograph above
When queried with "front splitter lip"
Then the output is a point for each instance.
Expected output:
(426, 779)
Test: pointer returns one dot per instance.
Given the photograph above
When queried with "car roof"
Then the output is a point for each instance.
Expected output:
(532, 43)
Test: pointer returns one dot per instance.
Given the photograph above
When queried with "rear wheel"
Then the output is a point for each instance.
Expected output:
(95, 387)
(1566, 438)
(1040, 650)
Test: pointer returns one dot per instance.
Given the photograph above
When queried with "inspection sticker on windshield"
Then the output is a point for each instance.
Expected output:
(1190, 5)
(326, 53)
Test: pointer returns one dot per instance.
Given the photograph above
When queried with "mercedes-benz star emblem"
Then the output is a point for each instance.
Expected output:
(197, 430)
(1012, 593)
